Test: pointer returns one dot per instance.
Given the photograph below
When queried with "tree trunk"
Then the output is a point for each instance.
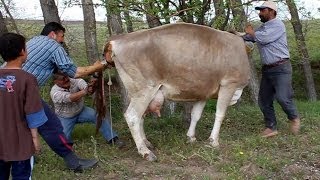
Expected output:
(218, 21)
(90, 32)
(303, 51)
(128, 21)
(115, 27)
(15, 27)
(240, 20)
(205, 8)
(152, 19)
(3, 25)
(239, 15)
(253, 82)
(49, 11)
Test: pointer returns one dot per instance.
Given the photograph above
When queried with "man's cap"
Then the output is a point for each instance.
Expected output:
(267, 4)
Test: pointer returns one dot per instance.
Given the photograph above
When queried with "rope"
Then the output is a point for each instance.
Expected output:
(109, 84)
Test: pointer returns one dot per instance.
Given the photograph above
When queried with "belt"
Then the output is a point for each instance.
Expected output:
(281, 61)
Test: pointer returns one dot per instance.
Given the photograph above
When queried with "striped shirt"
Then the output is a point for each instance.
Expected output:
(44, 56)
(63, 105)
(271, 39)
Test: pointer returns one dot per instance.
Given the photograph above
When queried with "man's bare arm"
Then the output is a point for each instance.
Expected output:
(87, 70)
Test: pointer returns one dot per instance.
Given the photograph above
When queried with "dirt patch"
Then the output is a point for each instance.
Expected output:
(308, 170)
(141, 169)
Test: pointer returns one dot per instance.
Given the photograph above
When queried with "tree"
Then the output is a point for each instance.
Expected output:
(90, 31)
(15, 27)
(302, 48)
(49, 11)
(3, 25)
(239, 20)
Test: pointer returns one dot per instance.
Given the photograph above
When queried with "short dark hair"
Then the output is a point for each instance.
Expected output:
(58, 75)
(52, 26)
(11, 45)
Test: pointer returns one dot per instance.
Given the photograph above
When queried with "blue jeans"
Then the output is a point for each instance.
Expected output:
(87, 115)
(19, 169)
(276, 84)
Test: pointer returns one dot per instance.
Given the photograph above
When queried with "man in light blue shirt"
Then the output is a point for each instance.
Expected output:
(46, 55)
(276, 82)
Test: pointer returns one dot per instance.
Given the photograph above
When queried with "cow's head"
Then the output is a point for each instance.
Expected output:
(108, 54)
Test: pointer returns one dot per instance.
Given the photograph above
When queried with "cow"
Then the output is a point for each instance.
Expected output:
(179, 62)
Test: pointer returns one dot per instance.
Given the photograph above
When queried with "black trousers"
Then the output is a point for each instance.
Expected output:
(276, 83)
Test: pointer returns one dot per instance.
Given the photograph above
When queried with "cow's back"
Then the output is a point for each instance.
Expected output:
(190, 61)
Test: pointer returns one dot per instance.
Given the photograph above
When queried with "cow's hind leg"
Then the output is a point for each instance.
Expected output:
(133, 117)
(224, 97)
(143, 135)
(195, 116)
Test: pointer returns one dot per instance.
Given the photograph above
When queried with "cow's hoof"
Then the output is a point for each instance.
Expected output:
(150, 157)
(213, 143)
(191, 140)
(148, 144)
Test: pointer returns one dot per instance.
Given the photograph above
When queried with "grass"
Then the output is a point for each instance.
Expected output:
(242, 153)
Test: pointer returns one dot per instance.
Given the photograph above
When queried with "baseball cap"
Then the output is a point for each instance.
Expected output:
(267, 4)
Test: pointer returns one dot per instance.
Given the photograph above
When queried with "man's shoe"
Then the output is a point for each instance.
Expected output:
(117, 142)
(72, 162)
(77, 164)
(295, 126)
(88, 163)
(268, 133)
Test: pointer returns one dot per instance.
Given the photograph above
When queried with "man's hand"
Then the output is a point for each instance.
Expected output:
(92, 85)
(249, 30)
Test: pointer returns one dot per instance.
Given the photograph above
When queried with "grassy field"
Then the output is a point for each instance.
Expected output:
(242, 153)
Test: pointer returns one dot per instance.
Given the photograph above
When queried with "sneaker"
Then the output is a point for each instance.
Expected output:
(268, 133)
(117, 142)
(295, 126)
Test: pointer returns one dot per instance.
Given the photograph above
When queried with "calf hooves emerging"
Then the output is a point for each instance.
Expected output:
(150, 157)
(213, 143)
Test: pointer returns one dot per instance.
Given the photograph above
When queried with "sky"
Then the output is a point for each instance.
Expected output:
(30, 9)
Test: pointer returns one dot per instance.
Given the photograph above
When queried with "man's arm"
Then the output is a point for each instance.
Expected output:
(35, 140)
(78, 95)
(87, 70)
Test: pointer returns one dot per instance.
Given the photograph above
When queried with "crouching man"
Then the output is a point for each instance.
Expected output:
(68, 97)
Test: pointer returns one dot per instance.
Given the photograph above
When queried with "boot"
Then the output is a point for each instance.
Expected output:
(77, 164)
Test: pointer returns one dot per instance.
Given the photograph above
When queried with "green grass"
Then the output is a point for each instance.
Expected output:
(242, 153)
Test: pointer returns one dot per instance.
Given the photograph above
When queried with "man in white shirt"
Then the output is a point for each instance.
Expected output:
(68, 97)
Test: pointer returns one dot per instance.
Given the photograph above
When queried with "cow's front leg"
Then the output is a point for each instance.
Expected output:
(195, 116)
(224, 97)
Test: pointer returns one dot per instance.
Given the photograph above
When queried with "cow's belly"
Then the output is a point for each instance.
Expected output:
(189, 93)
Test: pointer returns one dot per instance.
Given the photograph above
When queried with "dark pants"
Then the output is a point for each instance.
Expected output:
(52, 133)
(20, 170)
(276, 84)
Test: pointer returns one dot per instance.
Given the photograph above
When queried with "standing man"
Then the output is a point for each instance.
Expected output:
(276, 82)
(45, 54)
(68, 97)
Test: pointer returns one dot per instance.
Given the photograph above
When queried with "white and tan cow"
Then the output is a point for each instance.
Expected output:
(179, 62)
